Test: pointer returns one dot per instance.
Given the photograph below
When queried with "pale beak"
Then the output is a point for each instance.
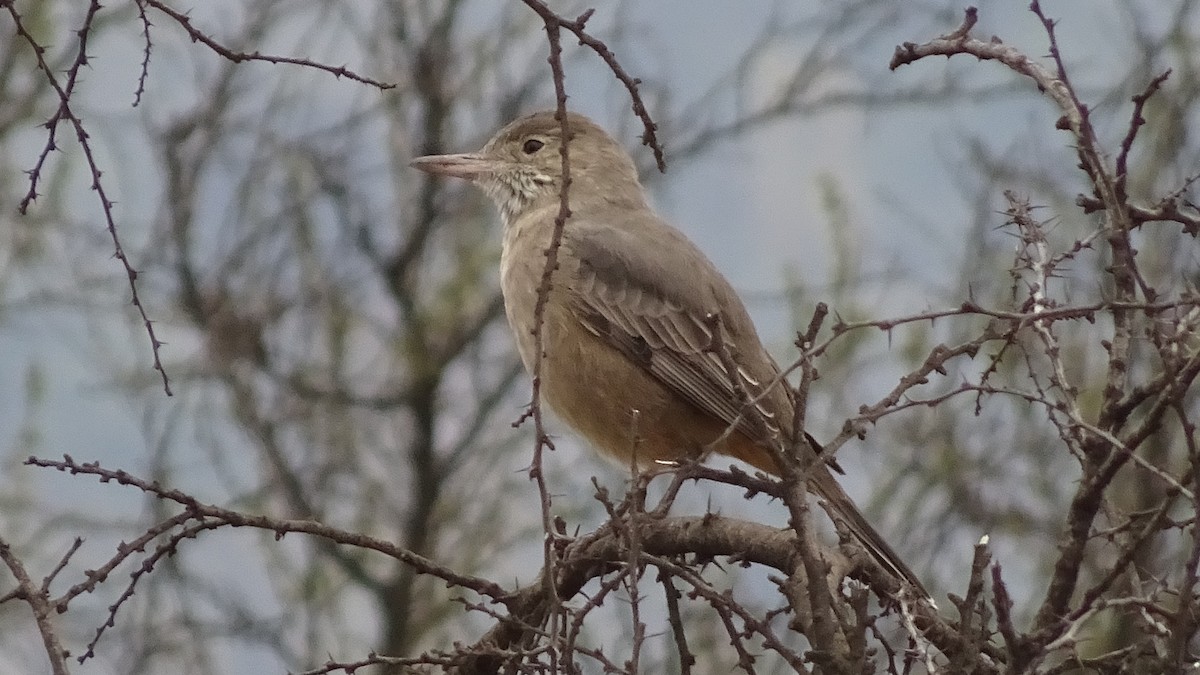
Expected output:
(467, 165)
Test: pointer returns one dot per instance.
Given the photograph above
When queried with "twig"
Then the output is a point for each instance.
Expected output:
(64, 112)
(224, 52)
(649, 135)
(38, 600)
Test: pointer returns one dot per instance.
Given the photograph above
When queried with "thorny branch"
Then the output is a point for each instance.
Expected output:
(1104, 438)
(66, 91)
(38, 599)
(202, 37)
(554, 24)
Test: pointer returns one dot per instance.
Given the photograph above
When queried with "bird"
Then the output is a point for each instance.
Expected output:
(628, 357)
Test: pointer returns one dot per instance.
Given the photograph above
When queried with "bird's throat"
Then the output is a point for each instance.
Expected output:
(515, 192)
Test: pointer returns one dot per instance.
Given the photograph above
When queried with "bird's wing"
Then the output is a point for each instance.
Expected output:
(652, 303)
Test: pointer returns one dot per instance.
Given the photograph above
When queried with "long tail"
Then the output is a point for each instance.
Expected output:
(824, 485)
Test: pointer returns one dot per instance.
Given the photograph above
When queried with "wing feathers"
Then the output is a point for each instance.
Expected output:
(621, 300)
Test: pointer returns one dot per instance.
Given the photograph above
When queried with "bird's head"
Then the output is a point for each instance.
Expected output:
(521, 166)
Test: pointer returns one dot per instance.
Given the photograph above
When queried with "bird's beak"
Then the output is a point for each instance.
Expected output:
(467, 166)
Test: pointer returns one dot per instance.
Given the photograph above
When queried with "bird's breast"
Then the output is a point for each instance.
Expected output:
(522, 268)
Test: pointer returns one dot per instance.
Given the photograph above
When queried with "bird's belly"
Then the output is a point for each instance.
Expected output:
(617, 406)
(620, 408)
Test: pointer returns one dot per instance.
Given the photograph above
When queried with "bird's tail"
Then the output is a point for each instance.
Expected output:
(824, 485)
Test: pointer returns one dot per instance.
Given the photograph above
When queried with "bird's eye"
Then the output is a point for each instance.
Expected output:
(532, 145)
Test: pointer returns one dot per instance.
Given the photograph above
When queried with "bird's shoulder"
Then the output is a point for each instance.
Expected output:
(646, 290)
(649, 266)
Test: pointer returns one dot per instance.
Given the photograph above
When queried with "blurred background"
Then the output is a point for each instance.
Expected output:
(334, 332)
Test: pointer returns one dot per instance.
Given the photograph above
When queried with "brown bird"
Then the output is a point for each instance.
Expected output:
(627, 324)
